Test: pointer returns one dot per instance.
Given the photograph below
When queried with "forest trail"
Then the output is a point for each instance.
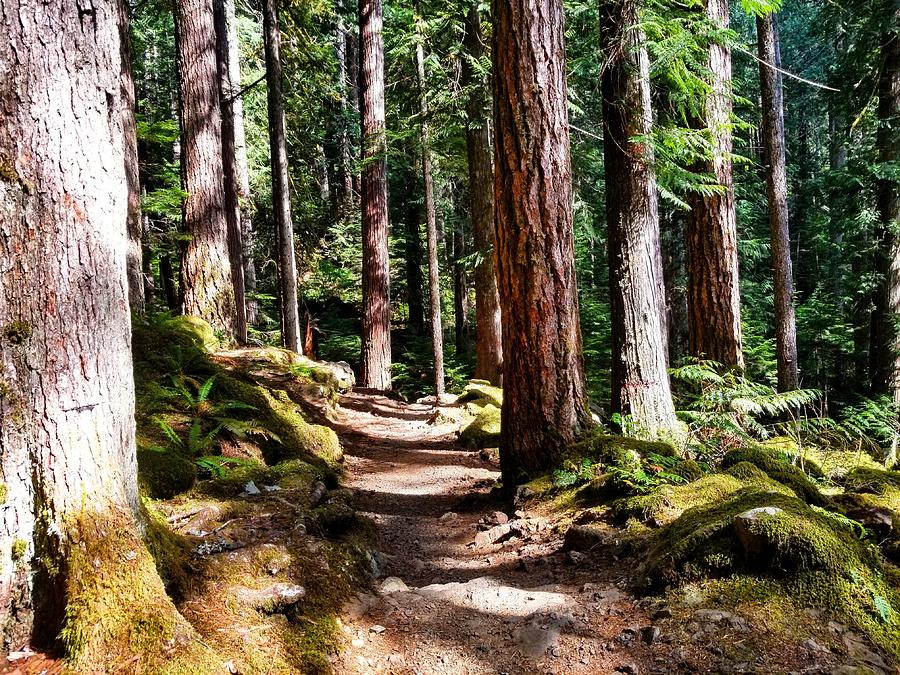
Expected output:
(446, 605)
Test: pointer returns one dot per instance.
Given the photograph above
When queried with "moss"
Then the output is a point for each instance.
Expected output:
(875, 481)
(8, 173)
(17, 332)
(164, 474)
(171, 552)
(3, 493)
(617, 450)
(482, 392)
(746, 471)
(19, 549)
(689, 470)
(195, 330)
(484, 430)
(778, 469)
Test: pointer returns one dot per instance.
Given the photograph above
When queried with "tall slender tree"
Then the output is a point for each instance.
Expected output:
(640, 381)
(714, 303)
(885, 350)
(545, 405)
(434, 279)
(772, 97)
(229, 86)
(376, 278)
(70, 550)
(281, 198)
(488, 335)
(206, 268)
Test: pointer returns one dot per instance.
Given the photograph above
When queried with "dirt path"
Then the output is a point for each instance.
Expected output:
(447, 605)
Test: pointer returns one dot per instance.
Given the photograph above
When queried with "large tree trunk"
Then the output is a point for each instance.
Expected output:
(885, 350)
(70, 550)
(776, 188)
(206, 268)
(434, 279)
(135, 266)
(488, 335)
(714, 300)
(640, 381)
(546, 406)
(229, 86)
(281, 198)
(376, 278)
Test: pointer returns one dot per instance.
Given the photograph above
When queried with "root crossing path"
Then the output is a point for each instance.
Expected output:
(446, 604)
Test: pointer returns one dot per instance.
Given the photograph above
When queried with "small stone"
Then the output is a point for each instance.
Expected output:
(393, 585)
(662, 613)
(556, 651)
(448, 516)
(250, 488)
(628, 668)
(650, 634)
(377, 629)
(396, 660)
(499, 517)
(813, 646)
(576, 557)
(357, 642)
(272, 488)
(494, 535)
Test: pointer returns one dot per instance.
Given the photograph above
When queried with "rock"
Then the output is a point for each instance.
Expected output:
(576, 557)
(534, 639)
(448, 516)
(484, 430)
(715, 618)
(357, 642)
(628, 636)
(393, 585)
(396, 660)
(523, 494)
(272, 599)
(498, 518)
(875, 518)
(251, 489)
(377, 629)
(494, 535)
(813, 646)
(490, 455)
(318, 493)
(752, 544)
(662, 613)
(650, 634)
(628, 668)
(583, 538)
(860, 652)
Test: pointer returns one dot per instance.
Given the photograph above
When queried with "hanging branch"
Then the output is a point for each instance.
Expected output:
(784, 72)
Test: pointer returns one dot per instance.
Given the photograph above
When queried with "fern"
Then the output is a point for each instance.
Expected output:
(883, 607)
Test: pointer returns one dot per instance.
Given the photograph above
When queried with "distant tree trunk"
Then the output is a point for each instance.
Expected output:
(460, 290)
(672, 237)
(837, 160)
(344, 189)
(206, 269)
(414, 280)
(70, 547)
(167, 278)
(136, 295)
(776, 187)
(640, 381)
(376, 279)
(281, 198)
(229, 86)
(714, 300)
(885, 350)
(546, 406)
(434, 279)
(488, 337)
(353, 56)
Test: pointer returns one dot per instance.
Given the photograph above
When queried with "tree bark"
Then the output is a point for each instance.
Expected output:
(640, 381)
(229, 85)
(772, 94)
(67, 438)
(488, 332)
(135, 266)
(672, 238)
(281, 198)
(414, 280)
(885, 349)
(376, 279)
(714, 301)
(546, 406)
(206, 268)
(434, 280)
(460, 289)
(344, 188)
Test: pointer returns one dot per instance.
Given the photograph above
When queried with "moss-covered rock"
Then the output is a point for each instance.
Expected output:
(482, 392)
(617, 450)
(746, 471)
(689, 469)
(195, 331)
(779, 469)
(484, 430)
(164, 474)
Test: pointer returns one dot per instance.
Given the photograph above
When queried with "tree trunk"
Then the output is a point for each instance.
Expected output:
(776, 188)
(344, 188)
(640, 381)
(672, 237)
(434, 280)
(229, 85)
(135, 266)
(885, 350)
(488, 335)
(376, 278)
(281, 198)
(546, 405)
(714, 299)
(70, 549)
(460, 290)
(206, 268)
(414, 280)
(167, 278)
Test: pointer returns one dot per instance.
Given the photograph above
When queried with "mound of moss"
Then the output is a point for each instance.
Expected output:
(617, 450)
(482, 392)
(779, 469)
(164, 474)
(484, 430)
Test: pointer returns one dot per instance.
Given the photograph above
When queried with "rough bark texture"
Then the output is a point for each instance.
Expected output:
(434, 279)
(376, 278)
(281, 198)
(640, 381)
(771, 92)
(206, 268)
(135, 265)
(67, 436)
(488, 332)
(714, 301)
(545, 407)
(672, 238)
(885, 351)
(229, 85)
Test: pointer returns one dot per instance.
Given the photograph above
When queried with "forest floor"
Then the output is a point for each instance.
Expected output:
(448, 604)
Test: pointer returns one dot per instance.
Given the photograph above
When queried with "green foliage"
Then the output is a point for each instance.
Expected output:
(574, 475)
